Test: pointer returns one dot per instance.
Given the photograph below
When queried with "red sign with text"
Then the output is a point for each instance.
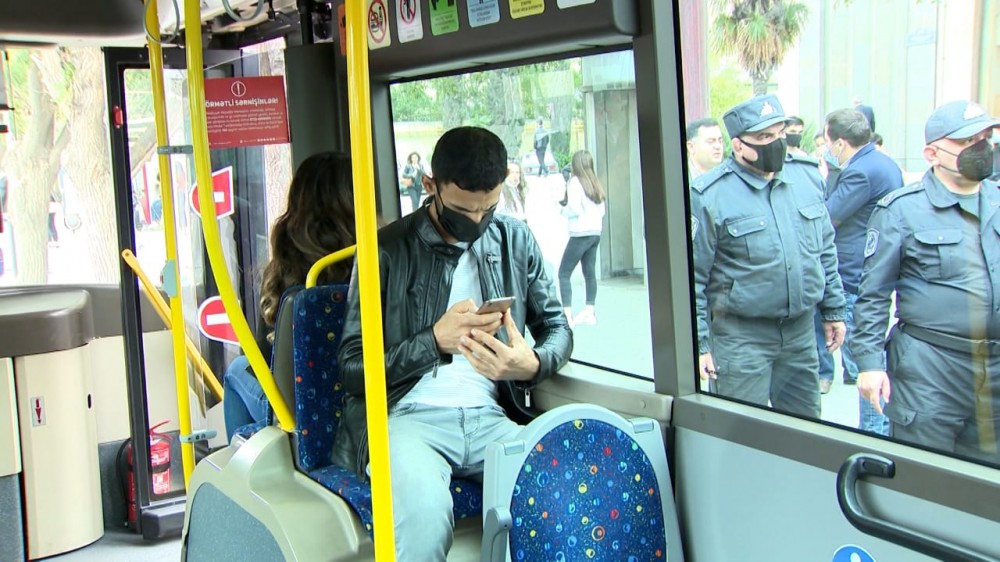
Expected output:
(222, 193)
(214, 322)
(246, 111)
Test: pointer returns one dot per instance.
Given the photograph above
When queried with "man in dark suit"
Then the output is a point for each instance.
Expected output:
(866, 176)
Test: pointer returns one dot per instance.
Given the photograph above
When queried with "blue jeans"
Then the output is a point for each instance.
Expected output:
(427, 446)
(847, 358)
(243, 398)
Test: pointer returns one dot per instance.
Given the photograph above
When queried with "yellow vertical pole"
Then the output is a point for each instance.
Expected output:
(209, 220)
(368, 278)
(170, 234)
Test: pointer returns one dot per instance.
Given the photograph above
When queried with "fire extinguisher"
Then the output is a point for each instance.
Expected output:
(159, 460)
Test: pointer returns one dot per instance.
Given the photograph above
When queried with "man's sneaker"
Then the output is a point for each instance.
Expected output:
(585, 318)
(824, 385)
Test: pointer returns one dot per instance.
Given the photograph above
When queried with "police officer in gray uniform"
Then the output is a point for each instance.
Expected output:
(764, 259)
(937, 244)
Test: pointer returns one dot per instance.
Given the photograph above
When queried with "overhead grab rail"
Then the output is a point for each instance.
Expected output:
(176, 323)
(359, 104)
(209, 220)
(858, 467)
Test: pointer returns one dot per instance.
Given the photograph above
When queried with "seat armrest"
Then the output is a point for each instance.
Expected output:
(496, 528)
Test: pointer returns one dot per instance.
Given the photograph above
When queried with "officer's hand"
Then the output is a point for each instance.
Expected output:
(706, 367)
(496, 360)
(873, 385)
(459, 321)
(835, 333)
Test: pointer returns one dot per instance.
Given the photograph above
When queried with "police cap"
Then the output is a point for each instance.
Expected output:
(755, 114)
(957, 120)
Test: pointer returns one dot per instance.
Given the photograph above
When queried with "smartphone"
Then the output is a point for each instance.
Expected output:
(496, 305)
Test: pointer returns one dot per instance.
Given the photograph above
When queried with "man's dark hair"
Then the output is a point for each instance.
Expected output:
(794, 120)
(817, 136)
(695, 126)
(472, 158)
(877, 139)
(850, 125)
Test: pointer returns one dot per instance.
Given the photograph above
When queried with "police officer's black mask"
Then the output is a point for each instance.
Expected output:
(458, 225)
(770, 156)
(975, 162)
(794, 139)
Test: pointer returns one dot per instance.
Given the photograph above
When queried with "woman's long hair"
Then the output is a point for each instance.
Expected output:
(319, 220)
(583, 168)
(520, 191)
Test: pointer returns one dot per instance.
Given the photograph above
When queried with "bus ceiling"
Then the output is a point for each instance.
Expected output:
(120, 23)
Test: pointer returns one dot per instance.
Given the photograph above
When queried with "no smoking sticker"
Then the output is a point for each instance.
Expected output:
(378, 25)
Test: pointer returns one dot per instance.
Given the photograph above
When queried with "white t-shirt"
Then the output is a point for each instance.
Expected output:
(457, 385)
(586, 218)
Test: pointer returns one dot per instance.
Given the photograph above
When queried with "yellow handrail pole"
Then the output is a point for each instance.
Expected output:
(359, 103)
(163, 311)
(325, 262)
(170, 234)
(209, 221)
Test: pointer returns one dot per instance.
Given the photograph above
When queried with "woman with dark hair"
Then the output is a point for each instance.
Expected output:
(413, 171)
(513, 194)
(318, 220)
(585, 210)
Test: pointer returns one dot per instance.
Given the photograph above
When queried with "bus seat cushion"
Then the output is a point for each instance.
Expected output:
(467, 495)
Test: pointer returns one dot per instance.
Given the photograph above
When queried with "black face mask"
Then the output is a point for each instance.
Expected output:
(975, 162)
(460, 226)
(794, 139)
(770, 156)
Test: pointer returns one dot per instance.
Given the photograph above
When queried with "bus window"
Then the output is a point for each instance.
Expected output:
(58, 220)
(843, 253)
(551, 115)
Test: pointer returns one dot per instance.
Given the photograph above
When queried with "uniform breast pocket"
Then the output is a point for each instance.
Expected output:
(942, 246)
(811, 231)
(752, 239)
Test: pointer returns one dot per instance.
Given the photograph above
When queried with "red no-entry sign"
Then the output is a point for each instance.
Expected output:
(214, 322)
(222, 193)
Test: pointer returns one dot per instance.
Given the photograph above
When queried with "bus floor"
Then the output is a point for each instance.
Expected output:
(121, 545)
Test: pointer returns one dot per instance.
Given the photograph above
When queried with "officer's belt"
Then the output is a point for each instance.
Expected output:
(950, 342)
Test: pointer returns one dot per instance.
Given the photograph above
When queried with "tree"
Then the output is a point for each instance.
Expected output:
(758, 33)
(60, 122)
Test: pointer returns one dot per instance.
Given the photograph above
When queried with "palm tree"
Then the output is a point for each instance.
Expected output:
(759, 33)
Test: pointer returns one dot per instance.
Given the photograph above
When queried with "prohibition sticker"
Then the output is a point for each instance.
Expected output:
(871, 243)
(378, 25)
(409, 24)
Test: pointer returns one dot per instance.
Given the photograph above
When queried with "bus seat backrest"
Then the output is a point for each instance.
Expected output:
(580, 479)
(282, 366)
(318, 322)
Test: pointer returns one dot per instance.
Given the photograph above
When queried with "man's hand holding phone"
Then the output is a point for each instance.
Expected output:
(497, 360)
(460, 320)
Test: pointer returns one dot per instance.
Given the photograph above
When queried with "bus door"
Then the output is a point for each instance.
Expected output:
(249, 180)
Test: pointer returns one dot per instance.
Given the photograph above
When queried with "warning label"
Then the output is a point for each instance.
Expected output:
(246, 111)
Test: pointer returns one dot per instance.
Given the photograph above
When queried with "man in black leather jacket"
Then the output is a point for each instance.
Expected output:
(456, 380)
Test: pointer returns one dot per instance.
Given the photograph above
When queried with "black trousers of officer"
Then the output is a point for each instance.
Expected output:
(944, 399)
(761, 360)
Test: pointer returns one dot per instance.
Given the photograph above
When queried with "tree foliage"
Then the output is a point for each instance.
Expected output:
(759, 33)
(503, 100)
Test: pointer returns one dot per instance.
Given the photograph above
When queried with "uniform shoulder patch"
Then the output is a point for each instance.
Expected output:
(871, 242)
(898, 193)
(702, 182)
